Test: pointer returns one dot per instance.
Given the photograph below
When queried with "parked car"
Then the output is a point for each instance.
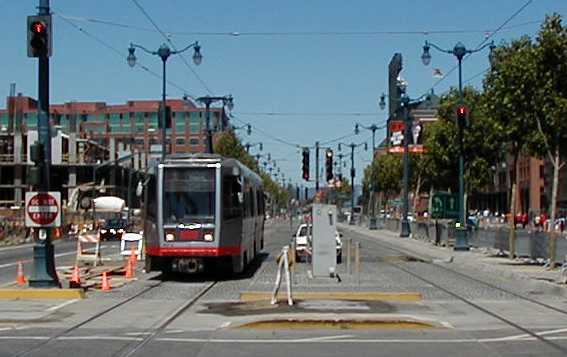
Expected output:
(302, 240)
(113, 229)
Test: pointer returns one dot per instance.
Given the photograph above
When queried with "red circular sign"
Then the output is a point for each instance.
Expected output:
(43, 209)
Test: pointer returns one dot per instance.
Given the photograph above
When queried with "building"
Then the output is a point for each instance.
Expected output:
(85, 134)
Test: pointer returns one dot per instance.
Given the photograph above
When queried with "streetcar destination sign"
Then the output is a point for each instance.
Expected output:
(43, 209)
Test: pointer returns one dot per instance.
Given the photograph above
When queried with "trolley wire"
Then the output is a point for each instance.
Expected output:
(490, 35)
(168, 39)
(117, 51)
(424, 32)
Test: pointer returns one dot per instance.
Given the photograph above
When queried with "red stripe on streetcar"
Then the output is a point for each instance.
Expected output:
(193, 251)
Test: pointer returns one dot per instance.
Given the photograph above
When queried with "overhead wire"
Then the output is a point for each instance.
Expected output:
(490, 35)
(424, 32)
(118, 52)
(168, 39)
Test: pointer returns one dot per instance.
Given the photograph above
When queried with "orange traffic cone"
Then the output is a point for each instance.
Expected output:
(129, 271)
(133, 257)
(105, 282)
(20, 277)
(75, 281)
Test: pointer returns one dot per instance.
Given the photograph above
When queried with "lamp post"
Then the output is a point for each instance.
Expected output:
(248, 146)
(352, 173)
(373, 128)
(459, 51)
(248, 128)
(227, 101)
(164, 52)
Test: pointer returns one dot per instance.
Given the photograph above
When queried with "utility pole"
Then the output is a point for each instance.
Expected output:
(44, 274)
(352, 174)
(405, 231)
(316, 167)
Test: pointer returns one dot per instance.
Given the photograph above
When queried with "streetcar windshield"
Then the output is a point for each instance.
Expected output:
(188, 193)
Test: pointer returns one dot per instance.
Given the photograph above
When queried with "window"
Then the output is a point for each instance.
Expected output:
(151, 198)
(232, 196)
(194, 141)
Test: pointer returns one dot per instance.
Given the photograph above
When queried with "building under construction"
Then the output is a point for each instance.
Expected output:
(96, 142)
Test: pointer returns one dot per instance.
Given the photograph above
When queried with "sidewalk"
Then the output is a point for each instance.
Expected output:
(482, 259)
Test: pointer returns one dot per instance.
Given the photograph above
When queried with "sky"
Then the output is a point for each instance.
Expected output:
(320, 65)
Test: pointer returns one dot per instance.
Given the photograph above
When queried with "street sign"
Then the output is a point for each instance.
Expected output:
(445, 205)
(43, 209)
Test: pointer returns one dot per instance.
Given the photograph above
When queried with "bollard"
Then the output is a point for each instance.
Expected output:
(357, 261)
(348, 255)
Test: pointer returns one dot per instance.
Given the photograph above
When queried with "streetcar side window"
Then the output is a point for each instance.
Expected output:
(151, 205)
(232, 206)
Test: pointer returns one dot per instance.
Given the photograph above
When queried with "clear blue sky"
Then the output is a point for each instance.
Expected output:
(264, 73)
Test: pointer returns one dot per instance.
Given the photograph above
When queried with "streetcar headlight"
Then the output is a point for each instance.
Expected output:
(208, 237)
(103, 231)
(113, 231)
(120, 230)
(169, 237)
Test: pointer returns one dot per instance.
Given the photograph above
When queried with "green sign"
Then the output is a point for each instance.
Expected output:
(445, 205)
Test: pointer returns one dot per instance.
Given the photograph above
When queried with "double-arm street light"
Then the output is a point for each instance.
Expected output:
(164, 52)
(248, 146)
(459, 51)
(372, 128)
(352, 172)
(227, 101)
(248, 128)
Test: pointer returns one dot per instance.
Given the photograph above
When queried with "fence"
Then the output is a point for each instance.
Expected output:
(529, 244)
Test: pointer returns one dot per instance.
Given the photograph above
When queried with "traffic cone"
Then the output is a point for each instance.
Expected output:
(75, 281)
(133, 257)
(105, 282)
(20, 277)
(129, 271)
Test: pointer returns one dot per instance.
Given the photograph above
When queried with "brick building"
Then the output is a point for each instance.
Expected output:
(85, 134)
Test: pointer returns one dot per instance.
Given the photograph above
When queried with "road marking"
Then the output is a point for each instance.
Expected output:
(326, 338)
(57, 307)
(22, 246)
(315, 340)
(56, 256)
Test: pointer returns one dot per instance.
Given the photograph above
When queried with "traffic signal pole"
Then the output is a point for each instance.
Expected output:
(44, 274)
(461, 241)
(316, 167)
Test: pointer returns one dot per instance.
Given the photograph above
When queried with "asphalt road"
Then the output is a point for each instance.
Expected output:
(470, 317)
(65, 252)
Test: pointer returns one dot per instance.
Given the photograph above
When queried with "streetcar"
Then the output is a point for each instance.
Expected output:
(203, 212)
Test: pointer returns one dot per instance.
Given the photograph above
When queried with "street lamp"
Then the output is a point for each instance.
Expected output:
(352, 172)
(227, 101)
(164, 52)
(248, 128)
(459, 51)
(248, 146)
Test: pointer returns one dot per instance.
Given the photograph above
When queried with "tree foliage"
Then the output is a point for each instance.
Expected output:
(482, 145)
(229, 145)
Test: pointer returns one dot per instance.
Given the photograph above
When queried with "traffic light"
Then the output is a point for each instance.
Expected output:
(305, 162)
(37, 155)
(167, 116)
(39, 36)
(462, 115)
(329, 164)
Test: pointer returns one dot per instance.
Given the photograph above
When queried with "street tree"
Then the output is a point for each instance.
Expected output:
(511, 94)
(482, 144)
(551, 109)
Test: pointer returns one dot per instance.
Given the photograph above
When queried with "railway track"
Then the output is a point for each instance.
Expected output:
(471, 303)
(130, 349)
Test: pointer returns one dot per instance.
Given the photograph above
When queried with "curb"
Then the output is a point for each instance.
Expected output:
(41, 294)
(252, 296)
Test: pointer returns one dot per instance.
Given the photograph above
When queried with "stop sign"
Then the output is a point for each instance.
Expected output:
(43, 209)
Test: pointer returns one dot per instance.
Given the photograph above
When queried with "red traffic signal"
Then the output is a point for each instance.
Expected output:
(38, 27)
(461, 111)
(39, 36)
(305, 164)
